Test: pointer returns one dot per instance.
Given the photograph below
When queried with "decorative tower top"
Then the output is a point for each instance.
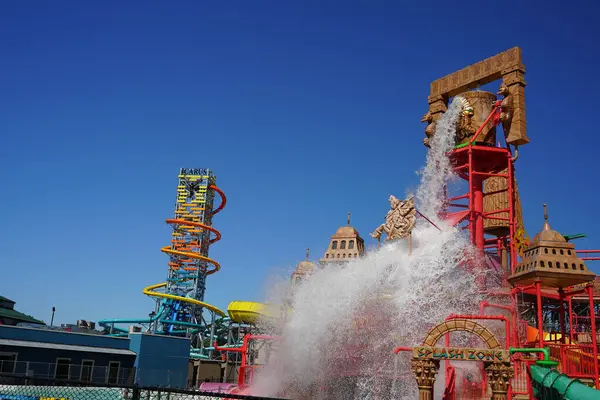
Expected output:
(345, 244)
(304, 269)
(546, 224)
(552, 260)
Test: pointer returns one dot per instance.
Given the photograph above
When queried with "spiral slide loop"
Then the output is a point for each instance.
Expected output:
(187, 256)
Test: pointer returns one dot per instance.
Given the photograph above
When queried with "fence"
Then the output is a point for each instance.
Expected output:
(14, 387)
(112, 374)
(89, 372)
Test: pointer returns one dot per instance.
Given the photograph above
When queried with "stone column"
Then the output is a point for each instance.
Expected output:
(514, 78)
(499, 377)
(437, 106)
(425, 372)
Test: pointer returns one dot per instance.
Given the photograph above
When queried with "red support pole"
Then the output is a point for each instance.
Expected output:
(538, 294)
(447, 375)
(471, 197)
(571, 330)
(515, 327)
(478, 211)
(561, 315)
(511, 206)
(590, 290)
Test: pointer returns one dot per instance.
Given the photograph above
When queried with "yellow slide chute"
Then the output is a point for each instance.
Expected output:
(251, 312)
(149, 291)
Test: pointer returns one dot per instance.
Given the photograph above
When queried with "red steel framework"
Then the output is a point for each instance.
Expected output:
(474, 163)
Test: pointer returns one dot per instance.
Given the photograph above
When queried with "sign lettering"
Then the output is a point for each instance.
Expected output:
(193, 171)
(456, 353)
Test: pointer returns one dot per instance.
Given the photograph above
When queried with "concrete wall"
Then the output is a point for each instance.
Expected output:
(161, 360)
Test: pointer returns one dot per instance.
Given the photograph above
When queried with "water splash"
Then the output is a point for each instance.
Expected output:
(338, 340)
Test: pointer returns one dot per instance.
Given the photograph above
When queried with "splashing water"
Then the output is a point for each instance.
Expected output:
(338, 341)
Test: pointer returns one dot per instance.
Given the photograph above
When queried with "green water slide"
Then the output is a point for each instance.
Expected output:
(549, 384)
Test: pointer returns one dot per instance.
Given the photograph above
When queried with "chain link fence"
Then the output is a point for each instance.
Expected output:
(13, 387)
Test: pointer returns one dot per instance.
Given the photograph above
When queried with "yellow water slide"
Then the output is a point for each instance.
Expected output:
(251, 312)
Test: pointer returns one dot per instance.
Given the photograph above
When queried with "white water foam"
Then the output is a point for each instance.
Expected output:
(401, 295)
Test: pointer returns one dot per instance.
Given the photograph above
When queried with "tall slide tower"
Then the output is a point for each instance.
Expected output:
(180, 307)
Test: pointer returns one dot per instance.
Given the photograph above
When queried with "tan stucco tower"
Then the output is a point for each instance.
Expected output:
(346, 244)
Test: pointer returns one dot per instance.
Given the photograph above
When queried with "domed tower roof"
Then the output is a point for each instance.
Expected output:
(345, 244)
(552, 260)
(304, 269)
(345, 232)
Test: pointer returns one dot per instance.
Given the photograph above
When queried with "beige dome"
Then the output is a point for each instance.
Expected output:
(548, 234)
(346, 231)
(306, 268)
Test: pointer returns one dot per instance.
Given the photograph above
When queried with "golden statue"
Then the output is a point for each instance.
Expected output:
(506, 108)
(399, 221)
(464, 124)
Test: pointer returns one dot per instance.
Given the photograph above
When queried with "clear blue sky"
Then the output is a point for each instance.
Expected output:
(304, 110)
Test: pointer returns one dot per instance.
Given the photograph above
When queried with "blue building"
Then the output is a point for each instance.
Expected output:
(140, 358)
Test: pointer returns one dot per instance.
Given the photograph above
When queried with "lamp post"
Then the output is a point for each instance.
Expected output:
(52, 319)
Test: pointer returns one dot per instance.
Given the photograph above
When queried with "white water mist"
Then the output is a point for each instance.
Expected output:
(326, 353)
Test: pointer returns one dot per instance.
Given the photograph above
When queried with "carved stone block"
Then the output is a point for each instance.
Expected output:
(499, 377)
(425, 372)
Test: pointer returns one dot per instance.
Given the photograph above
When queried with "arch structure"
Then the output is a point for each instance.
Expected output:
(426, 358)
(465, 325)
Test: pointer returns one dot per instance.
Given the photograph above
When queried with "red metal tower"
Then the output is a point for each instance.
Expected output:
(474, 162)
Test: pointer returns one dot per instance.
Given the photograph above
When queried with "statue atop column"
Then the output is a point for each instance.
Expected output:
(399, 220)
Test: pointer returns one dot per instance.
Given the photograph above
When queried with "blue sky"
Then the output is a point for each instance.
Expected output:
(304, 110)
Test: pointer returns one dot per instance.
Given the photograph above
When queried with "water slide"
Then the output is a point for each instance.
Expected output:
(170, 303)
(250, 312)
(549, 384)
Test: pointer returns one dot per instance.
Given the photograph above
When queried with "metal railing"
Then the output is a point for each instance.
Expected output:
(112, 373)
(14, 387)
(576, 361)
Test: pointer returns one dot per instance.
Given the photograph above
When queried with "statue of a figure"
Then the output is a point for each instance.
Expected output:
(464, 124)
(429, 129)
(506, 108)
(399, 221)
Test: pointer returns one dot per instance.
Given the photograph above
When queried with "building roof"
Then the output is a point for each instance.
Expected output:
(552, 260)
(69, 347)
(6, 299)
(306, 268)
(346, 232)
(19, 316)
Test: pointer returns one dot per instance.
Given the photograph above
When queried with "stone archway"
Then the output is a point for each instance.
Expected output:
(466, 325)
(426, 358)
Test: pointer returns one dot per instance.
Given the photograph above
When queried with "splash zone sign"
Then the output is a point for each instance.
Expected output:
(460, 354)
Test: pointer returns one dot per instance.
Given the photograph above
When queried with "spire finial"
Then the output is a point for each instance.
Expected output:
(348, 218)
(546, 224)
(307, 253)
